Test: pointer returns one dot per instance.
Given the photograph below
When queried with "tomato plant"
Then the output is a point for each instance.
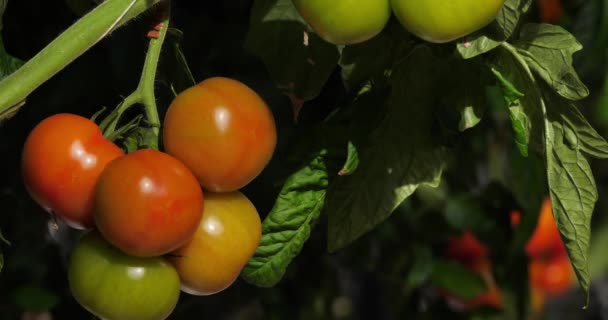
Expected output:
(147, 203)
(223, 131)
(62, 159)
(115, 286)
(443, 21)
(226, 238)
(345, 21)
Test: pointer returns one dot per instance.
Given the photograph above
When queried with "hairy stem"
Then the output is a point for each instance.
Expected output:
(72, 43)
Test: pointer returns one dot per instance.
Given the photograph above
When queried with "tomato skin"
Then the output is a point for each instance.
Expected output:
(545, 240)
(147, 203)
(115, 286)
(442, 21)
(467, 249)
(223, 131)
(62, 159)
(552, 276)
(227, 237)
(345, 21)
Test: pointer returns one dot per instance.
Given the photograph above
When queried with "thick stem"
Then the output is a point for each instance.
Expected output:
(148, 75)
(73, 42)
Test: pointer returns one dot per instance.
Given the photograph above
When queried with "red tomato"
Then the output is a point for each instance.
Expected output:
(467, 250)
(223, 131)
(61, 162)
(550, 10)
(227, 237)
(147, 203)
(546, 240)
(553, 276)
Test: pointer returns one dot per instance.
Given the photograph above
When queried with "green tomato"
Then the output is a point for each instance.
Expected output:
(445, 20)
(345, 21)
(115, 286)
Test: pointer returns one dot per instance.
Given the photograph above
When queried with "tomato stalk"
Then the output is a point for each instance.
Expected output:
(144, 93)
(68, 46)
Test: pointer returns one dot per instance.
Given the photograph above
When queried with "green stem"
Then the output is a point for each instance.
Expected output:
(148, 75)
(73, 42)
(144, 93)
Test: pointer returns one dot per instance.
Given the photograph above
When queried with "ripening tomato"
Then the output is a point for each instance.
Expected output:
(62, 159)
(445, 20)
(223, 131)
(147, 203)
(345, 21)
(545, 240)
(226, 239)
(116, 286)
(467, 250)
(553, 276)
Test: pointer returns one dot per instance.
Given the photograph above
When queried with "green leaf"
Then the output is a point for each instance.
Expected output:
(571, 183)
(422, 268)
(399, 156)
(299, 61)
(516, 80)
(34, 298)
(352, 160)
(288, 225)
(499, 31)
(548, 50)
(519, 120)
(457, 279)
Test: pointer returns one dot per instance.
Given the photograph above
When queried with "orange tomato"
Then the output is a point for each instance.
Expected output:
(62, 159)
(223, 131)
(545, 240)
(225, 240)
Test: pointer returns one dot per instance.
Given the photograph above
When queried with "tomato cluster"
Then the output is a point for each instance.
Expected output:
(155, 231)
(345, 22)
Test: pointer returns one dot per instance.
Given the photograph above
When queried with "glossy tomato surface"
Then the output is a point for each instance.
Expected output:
(115, 286)
(224, 242)
(445, 20)
(62, 159)
(223, 131)
(147, 203)
(345, 21)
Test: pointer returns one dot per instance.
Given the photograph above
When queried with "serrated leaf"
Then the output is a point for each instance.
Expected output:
(548, 50)
(571, 184)
(585, 137)
(457, 279)
(400, 155)
(519, 120)
(516, 79)
(300, 62)
(352, 160)
(499, 31)
(288, 225)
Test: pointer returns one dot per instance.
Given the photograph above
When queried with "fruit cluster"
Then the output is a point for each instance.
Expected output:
(155, 230)
(345, 22)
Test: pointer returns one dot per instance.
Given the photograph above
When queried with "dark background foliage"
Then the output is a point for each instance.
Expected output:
(370, 279)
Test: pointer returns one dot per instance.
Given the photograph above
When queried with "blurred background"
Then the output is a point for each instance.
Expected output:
(384, 275)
